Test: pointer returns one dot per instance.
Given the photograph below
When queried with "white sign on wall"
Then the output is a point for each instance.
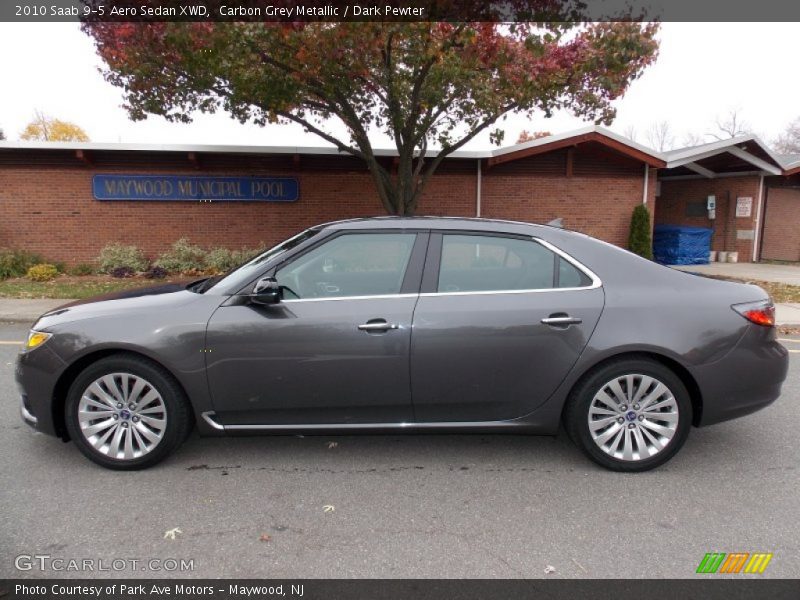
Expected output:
(744, 206)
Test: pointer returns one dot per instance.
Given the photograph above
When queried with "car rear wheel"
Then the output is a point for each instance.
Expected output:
(629, 415)
(125, 412)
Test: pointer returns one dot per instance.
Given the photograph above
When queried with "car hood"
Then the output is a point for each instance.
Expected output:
(123, 303)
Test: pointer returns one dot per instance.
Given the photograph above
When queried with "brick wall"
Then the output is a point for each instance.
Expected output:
(676, 194)
(50, 208)
(598, 198)
(782, 225)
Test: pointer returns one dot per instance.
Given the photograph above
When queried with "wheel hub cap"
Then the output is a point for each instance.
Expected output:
(633, 417)
(122, 416)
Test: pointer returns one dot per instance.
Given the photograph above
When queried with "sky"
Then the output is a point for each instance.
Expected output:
(704, 71)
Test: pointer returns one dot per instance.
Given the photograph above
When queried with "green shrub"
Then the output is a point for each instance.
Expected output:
(182, 257)
(15, 263)
(42, 272)
(118, 255)
(639, 241)
(223, 260)
(82, 269)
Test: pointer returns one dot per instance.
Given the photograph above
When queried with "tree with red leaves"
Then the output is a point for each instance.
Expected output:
(527, 136)
(431, 86)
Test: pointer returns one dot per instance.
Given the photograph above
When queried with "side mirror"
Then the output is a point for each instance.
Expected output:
(266, 291)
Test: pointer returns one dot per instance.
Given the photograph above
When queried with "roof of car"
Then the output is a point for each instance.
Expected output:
(432, 222)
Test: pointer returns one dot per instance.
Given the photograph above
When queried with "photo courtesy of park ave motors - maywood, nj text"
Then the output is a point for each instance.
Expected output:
(432, 299)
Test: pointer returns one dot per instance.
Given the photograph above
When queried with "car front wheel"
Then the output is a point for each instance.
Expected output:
(125, 412)
(630, 415)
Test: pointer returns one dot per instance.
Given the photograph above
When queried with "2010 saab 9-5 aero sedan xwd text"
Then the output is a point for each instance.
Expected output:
(409, 324)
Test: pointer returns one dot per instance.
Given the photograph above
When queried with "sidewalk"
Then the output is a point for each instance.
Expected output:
(27, 311)
(787, 314)
(789, 274)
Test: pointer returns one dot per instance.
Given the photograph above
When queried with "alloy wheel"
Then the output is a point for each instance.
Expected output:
(633, 417)
(122, 416)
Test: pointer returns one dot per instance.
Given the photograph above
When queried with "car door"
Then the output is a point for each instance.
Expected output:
(500, 322)
(335, 349)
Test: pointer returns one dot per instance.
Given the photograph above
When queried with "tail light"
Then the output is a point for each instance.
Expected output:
(760, 313)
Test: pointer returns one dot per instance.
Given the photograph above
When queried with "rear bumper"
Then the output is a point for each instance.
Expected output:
(747, 379)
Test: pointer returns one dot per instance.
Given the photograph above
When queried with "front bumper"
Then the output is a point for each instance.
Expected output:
(26, 415)
(36, 373)
(747, 379)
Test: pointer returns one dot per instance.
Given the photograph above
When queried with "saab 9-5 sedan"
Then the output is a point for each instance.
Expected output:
(415, 325)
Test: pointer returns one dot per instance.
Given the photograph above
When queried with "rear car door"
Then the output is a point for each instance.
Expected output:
(500, 322)
(335, 349)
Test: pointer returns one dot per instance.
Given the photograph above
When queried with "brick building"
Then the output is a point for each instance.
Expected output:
(591, 178)
(68, 200)
(756, 196)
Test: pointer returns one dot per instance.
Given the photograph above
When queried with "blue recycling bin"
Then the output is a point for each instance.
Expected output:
(679, 245)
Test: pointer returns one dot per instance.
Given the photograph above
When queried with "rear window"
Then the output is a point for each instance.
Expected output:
(484, 263)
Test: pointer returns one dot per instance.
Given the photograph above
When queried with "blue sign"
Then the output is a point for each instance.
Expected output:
(187, 188)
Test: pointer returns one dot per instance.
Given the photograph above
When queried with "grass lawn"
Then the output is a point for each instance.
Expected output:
(66, 286)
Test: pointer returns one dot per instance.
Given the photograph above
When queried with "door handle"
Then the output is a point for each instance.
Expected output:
(373, 326)
(560, 321)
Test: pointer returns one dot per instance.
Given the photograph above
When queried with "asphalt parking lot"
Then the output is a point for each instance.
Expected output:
(404, 506)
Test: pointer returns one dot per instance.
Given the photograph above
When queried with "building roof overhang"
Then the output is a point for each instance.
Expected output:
(83, 151)
(741, 154)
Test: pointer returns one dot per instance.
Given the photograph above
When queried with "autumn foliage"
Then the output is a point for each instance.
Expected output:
(47, 129)
(527, 136)
(431, 86)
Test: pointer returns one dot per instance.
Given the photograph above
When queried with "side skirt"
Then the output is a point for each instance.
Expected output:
(518, 426)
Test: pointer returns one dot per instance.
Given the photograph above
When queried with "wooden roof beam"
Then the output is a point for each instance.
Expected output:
(707, 173)
(84, 157)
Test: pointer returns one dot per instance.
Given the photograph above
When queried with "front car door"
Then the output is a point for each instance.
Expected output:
(500, 322)
(335, 349)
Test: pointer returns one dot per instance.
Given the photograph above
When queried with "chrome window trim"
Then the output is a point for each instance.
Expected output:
(595, 280)
(496, 292)
(339, 298)
(596, 283)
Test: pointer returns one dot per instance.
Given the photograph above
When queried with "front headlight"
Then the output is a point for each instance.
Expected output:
(36, 339)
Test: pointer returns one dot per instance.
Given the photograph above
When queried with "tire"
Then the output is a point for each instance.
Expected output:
(111, 431)
(653, 428)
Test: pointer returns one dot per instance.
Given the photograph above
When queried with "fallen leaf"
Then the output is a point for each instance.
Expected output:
(265, 537)
(171, 533)
(332, 444)
(549, 569)
(328, 508)
(579, 565)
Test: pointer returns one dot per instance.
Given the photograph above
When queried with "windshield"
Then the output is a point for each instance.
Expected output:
(241, 275)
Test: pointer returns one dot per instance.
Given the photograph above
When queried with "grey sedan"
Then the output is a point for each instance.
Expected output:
(413, 325)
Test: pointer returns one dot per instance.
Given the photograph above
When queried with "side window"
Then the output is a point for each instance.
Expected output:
(569, 276)
(353, 264)
(481, 263)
